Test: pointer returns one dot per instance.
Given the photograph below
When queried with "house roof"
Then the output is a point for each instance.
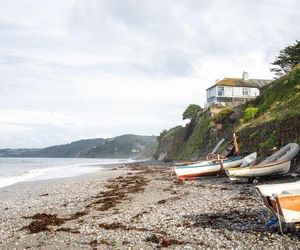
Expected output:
(240, 82)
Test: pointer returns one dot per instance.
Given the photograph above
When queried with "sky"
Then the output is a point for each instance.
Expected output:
(78, 69)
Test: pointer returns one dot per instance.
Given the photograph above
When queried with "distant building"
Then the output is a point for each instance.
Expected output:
(234, 91)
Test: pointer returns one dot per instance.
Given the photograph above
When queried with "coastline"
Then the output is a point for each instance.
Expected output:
(18, 190)
(135, 205)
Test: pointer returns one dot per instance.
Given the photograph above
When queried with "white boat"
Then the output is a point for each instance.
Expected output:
(283, 200)
(274, 189)
(249, 160)
(213, 155)
(288, 152)
(260, 170)
(204, 168)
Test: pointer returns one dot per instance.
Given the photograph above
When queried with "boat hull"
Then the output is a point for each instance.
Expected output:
(283, 200)
(205, 168)
(288, 206)
(261, 170)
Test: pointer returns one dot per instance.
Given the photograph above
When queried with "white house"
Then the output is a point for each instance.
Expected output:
(233, 91)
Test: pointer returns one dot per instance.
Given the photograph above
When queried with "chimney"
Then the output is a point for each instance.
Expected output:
(245, 76)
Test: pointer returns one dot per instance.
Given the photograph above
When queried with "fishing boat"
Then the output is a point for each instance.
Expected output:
(287, 152)
(260, 170)
(283, 200)
(249, 160)
(216, 153)
(277, 164)
(213, 167)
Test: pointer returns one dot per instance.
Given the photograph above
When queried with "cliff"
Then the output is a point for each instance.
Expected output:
(272, 119)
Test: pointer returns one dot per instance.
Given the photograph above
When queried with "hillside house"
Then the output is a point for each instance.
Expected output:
(234, 91)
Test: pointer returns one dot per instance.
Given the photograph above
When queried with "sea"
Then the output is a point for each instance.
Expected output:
(15, 170)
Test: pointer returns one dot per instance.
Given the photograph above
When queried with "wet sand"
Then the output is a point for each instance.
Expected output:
(136, 206)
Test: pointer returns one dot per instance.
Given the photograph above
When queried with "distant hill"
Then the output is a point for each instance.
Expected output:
(69, 150)
(124, 146)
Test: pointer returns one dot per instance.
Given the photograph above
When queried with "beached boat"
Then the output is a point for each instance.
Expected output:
(221, 151)
(287, 152)
(249, 160)
(283, 200)
(196, 170)
(268, 169)
(277, 164)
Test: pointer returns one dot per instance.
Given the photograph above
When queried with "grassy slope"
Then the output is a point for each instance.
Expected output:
(277, 120)
(197, 138)
(171, 142)
(279, 100)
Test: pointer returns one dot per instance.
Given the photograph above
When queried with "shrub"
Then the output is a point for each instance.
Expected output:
(242, 122)
(250, 113)
(223, 115)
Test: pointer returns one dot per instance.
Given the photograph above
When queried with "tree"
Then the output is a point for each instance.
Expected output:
(191, 112)
(287, 59)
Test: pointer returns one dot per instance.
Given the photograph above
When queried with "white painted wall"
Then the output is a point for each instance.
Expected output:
(235, 92)
(242, 92)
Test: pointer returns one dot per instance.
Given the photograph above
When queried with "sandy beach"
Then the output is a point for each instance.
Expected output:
(136, 206)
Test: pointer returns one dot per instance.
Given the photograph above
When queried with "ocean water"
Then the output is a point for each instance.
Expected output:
(14, 170)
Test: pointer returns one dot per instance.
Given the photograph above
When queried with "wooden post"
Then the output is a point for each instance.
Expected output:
(235, 143)
(172, 170)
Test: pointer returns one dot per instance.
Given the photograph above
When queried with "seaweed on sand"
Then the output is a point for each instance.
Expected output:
(163, 241)
(119, 189)
(41, 221)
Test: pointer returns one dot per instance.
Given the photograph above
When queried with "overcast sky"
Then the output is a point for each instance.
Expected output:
(77, 69)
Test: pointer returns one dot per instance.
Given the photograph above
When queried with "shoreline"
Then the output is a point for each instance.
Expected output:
(7, 191)
(43, 178)
(137, 205)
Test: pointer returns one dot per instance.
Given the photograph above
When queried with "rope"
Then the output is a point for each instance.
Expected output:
(222, 168)
(279, 221)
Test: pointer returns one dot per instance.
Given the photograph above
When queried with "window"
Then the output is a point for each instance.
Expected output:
(211, 92)
(220, 91)
(246, 92)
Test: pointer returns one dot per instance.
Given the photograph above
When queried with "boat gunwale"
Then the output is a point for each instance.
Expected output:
(211, 163)
(258, 166)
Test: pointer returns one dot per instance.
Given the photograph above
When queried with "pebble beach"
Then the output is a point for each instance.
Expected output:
(137, 206)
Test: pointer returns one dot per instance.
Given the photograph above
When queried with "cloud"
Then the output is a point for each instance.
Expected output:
(97, 68)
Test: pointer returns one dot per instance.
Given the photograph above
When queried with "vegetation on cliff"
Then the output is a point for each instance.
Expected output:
(200, 133)
(170, 143)
(183, 142)
(191, 112)
(277, 101)
(277, 115)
